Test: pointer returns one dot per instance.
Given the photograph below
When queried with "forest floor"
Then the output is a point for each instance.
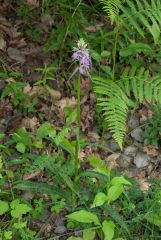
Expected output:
(36, 86)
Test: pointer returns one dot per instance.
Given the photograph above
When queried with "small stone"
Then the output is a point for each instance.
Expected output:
(133, 122)
(60, 230)
(131, 173)
(137, 134)
(2, 44)
(130, 151)
(107, 135)
(141, 160)
(112, 145)
(124, 161)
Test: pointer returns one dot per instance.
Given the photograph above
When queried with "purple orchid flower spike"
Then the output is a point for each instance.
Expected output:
(81, 54)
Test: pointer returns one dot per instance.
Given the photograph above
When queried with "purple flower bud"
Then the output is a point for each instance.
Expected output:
(81, 54)
(74, 55)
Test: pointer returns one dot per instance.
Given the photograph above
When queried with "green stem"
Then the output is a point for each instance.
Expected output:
(114, 53)
(77, 131)
(77, 146)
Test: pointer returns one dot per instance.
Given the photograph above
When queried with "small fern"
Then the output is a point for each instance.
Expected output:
(141, 15)
(111, 7)
(113, 97)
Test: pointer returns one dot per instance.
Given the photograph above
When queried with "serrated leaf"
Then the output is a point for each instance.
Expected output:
(18, 209)
(8, 234)
(84, 217)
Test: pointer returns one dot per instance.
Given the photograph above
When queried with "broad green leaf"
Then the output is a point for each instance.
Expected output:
(65, 144)
(89, 234)
(114, 192)
(99, 200)
(20, 147)
(61, 136)
(45, 130)
(4, 207)
(99, 165)
(21, 135)
(18, 208)
(119, 181)
(84, 217)
(71, 118)
(108, 229)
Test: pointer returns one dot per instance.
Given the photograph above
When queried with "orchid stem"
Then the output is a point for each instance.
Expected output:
(77, 146)
(77, 131)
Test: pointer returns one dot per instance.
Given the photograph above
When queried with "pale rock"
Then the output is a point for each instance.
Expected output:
(130, 151)
(60, 228)
(2, 44)
(137, 134)
(133, 122)
(124, 161)
(112, 145)
(107, 135)
(141, 160)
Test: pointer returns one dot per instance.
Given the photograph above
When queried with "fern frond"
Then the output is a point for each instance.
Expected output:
(111, 7)
(141, 15)
(114, 97)
(40, 188)
(114, 104)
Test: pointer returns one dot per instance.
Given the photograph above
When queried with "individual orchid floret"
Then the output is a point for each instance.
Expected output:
(81, 54)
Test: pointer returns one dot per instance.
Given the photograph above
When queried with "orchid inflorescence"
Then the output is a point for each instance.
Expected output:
(81, 54)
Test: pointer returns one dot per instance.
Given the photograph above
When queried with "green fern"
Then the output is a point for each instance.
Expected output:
(111, 7)
(40, 188)
(141, 15)
(114, 104)
(113, 97)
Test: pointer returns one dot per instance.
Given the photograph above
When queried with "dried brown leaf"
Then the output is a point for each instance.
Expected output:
(32, 175)
(151, 150)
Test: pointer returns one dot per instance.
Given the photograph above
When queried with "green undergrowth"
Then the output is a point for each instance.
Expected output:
(40, 166)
